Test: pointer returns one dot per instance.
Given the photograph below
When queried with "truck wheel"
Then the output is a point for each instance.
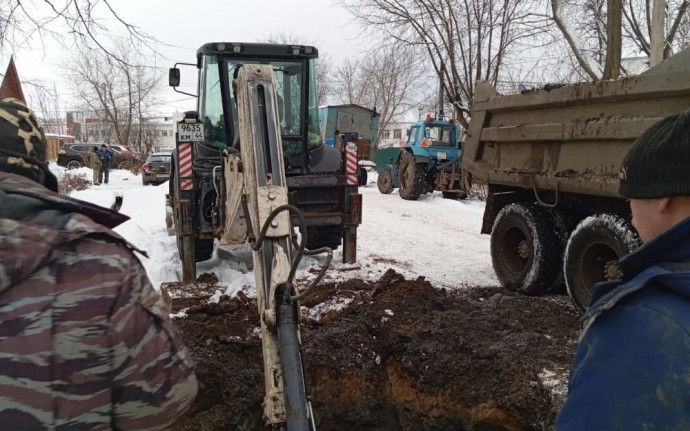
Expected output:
(527, 249)
(411, 178)
(385, 182)
(324, 236)
(363, 176)
(592, 254)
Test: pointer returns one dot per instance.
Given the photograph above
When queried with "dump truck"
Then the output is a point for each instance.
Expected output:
(352, 123)
(429, 160)
(551, 159)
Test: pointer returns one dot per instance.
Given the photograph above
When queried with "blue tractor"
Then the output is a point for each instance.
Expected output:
(428, 161)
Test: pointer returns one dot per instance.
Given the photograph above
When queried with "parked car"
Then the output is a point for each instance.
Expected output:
(156, 169)
(73, 156)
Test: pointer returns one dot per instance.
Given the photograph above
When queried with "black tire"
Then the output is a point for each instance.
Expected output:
(203, 249)
(385, 182)
(363, 177)
(592, 254)
(455, 195)
(411, 177)
(124, 164)
(324, 236)
(74, 164)
(527, 246)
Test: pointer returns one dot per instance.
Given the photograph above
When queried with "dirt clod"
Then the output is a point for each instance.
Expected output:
(394, 355)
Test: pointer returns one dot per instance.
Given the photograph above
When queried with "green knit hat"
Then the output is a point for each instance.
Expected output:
(657, 164)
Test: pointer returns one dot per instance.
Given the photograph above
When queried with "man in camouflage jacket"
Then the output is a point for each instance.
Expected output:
(86, 343)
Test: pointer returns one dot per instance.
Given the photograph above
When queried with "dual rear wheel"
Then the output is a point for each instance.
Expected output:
(532, 253)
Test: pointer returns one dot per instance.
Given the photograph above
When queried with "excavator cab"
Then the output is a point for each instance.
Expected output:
(295, 83)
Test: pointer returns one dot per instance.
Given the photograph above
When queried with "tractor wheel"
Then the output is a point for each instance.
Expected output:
(385, 182)
(324, 236)
(592, 254)
(363, 177)
(203, 248)
(527, 249)
(411, 177)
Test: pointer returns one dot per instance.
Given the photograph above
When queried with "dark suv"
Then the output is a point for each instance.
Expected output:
(73, 156)
(156, 170)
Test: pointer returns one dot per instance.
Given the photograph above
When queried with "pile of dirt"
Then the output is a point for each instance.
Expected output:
(394, 355)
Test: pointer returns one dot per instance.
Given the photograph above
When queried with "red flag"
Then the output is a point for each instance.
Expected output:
(11, 87)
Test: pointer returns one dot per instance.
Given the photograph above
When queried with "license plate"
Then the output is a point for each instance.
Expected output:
(441, 155)
(162, 176)
(190, 132)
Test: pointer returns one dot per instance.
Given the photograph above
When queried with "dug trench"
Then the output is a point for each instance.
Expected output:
(394, 354)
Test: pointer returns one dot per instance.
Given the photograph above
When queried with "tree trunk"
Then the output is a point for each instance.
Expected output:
(657, 32)
(614, 39)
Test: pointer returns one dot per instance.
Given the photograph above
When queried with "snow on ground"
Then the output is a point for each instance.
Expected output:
(432, 237)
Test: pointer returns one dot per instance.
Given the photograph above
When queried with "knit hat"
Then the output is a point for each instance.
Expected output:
(657, 164)
(23, 144)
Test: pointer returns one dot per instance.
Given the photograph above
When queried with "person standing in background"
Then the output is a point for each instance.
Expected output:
(105, 156)
(95, 164)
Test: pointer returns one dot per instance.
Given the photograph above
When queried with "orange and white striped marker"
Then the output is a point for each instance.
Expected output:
(185, 155)
(351, 163)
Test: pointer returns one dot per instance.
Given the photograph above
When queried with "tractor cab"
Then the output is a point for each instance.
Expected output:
(435, 140)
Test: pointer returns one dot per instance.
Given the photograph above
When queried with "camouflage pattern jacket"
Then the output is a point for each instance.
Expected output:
(86, 343)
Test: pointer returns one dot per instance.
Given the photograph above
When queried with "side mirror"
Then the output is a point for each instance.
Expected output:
(174, 77)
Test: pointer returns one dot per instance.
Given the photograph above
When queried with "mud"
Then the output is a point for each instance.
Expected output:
(392, 355)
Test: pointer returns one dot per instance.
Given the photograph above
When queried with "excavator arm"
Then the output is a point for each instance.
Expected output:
(267, 215)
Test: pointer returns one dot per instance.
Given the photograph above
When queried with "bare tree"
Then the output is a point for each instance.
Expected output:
(385, 80)
(120, 94)
(47, 104)
(86, 22)
(639, 18)
(600, 32)
(461, 40)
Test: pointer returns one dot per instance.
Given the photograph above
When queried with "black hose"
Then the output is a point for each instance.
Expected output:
(300, 252)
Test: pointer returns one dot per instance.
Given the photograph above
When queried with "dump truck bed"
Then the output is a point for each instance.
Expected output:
(571, 138)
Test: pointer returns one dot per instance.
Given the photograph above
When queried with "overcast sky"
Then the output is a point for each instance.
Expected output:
(183, 26)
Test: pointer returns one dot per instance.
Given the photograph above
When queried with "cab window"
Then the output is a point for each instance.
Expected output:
(211, 103)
